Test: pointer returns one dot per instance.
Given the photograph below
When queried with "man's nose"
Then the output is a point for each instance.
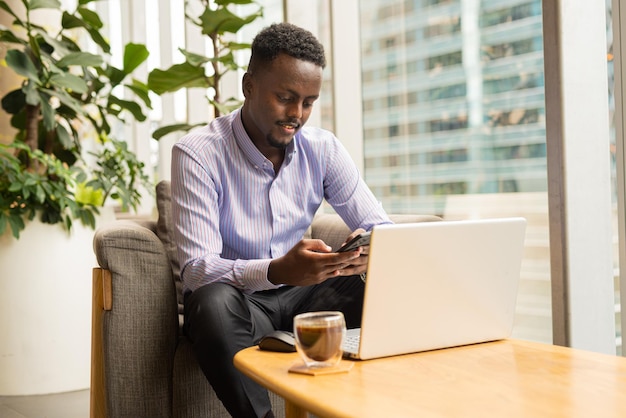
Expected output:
(295, 110)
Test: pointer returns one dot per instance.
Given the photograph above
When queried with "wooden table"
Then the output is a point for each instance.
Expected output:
(507, 378)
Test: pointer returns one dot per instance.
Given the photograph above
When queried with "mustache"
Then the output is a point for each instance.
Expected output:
(294, 123)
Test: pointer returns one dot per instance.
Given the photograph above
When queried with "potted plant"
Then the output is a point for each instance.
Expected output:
(63, 164)
(67, 94)
(220, 24)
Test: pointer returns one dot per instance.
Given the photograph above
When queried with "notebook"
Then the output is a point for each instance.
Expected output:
(440, 284)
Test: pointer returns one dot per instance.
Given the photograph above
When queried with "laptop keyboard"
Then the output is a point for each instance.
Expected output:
(351, 342)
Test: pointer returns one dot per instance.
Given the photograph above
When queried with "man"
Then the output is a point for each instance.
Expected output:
(244, 191)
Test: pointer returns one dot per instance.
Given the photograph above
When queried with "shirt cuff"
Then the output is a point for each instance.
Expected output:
(255, 276)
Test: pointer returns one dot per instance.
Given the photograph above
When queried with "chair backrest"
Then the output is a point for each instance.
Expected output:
(164, 232)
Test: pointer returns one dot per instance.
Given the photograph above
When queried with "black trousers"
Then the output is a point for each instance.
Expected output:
(221, 320)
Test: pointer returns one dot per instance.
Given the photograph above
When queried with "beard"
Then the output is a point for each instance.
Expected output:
(276, 143)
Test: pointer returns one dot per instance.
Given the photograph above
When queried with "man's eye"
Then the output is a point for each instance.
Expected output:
(283, 99)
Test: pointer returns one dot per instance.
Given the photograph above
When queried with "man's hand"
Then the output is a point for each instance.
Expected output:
(311, 262)
(359, 265)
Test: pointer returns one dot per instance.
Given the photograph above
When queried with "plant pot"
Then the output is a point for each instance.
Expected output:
(45, 308)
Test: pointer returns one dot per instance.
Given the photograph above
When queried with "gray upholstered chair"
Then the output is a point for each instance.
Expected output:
(142, 364)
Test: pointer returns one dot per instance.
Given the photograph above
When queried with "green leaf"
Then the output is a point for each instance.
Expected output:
(47, 112)
(227, 59)
(67, 222)
(66, 99)
(80, 58)
(227, 107)
(61, 47)
(40, 193)
(10, 37)
(44, 4)
(88, 195)
(21, 64)
(223, 20)
(141, 90)
(69, 21)
(96, 36)
(14, 101)
(177, 77)
(194, 59)
(131, 106)
(90, 17)
(17, 225)
(235, 46)
(87, 217)
(32, 95)
(64, 137)
(165, 130)
(104, 127)
(134, 56)
(116, 76)
(15, 187)
(4, 220)
(69, 81)
(18, 121)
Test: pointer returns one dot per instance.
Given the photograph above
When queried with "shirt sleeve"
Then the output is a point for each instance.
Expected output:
(195, 211)
(346, 191)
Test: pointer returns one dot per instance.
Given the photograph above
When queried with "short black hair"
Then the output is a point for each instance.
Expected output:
(288, 39)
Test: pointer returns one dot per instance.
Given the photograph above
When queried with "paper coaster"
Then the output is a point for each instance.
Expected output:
(342, 367)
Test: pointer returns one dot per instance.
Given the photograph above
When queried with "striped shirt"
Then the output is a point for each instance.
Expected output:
(233, 214)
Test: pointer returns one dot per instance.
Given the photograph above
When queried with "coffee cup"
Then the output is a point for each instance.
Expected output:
(319, 336)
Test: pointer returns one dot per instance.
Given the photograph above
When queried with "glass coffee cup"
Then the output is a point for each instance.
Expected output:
(319, 336)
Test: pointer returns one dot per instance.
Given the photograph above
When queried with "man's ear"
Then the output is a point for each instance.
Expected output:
(246, 84)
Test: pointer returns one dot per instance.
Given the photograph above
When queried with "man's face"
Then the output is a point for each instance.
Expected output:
(279, 100)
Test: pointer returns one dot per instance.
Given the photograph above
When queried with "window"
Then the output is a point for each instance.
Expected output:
(475, 133)
(443, 26)
(474, 122)
(452, 58)
(503, 83)
(509, 49)
(510, 14)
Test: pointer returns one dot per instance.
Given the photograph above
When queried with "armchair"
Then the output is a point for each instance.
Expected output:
(142, 364)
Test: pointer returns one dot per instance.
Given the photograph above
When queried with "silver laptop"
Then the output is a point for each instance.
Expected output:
(439, 284)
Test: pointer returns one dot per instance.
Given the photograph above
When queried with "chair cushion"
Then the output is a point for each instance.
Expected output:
(164, 232)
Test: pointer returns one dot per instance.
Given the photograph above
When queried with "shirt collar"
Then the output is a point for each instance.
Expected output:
(250, 150)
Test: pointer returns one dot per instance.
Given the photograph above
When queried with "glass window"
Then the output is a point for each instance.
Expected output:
(508, 49)
(469, 110)
(473, 122)
(510, 14)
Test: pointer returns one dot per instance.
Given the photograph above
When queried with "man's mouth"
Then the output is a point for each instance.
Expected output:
(289, 126)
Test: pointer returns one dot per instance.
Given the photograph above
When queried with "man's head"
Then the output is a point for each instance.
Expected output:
(285, 38)
(283, 80)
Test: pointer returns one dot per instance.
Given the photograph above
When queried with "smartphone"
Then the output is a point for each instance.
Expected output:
(356, 242)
